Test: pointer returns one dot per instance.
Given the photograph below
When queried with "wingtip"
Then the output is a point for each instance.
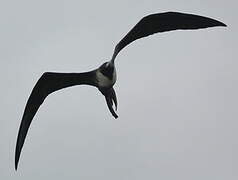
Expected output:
(16, 164)
(222, 24)
(17, 156)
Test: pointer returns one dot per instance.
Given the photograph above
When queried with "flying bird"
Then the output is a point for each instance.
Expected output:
(104, 77)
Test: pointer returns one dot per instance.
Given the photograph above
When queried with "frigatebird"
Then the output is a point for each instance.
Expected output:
(104, 77)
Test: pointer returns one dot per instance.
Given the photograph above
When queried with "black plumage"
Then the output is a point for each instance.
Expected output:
(104, 77)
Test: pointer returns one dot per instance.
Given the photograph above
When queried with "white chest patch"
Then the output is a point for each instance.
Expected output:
(104, 81)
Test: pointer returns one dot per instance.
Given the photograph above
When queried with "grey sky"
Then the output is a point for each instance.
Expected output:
(184, 126)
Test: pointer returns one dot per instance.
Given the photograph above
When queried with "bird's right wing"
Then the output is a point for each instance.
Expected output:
(162, 22)
(47, 84)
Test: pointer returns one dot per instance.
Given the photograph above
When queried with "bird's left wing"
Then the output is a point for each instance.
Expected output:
(162, 22)
(47, 84)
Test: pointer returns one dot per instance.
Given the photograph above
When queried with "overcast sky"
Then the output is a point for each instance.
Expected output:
(177, 92)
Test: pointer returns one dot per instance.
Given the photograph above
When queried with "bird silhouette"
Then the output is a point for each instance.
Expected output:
(104, 77)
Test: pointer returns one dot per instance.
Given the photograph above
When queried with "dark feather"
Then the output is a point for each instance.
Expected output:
(47, 84)
(162, 22)
(110, 97)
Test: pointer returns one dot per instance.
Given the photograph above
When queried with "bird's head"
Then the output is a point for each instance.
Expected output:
(107, 65)
(107, 69)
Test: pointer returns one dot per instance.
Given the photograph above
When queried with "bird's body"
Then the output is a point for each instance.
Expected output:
(105, 76)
